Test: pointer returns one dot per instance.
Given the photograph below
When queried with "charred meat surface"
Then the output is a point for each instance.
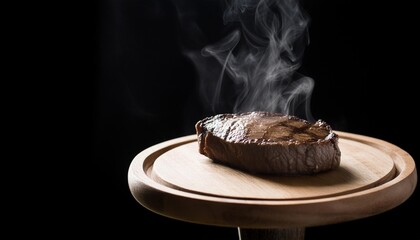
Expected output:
(269, 143)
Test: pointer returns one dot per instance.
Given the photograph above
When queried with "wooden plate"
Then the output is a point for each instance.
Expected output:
(174, 180)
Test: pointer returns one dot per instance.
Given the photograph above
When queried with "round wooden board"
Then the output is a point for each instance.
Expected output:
(183, 167)
(174, 180)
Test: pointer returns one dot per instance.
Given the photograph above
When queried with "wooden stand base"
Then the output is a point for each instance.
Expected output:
(271, 234)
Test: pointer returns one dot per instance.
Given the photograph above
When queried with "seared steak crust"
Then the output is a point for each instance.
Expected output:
(269, 143)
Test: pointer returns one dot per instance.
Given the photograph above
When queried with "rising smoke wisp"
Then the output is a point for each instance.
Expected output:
(260, 58)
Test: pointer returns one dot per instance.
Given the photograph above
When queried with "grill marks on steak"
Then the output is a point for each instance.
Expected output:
(269, 143)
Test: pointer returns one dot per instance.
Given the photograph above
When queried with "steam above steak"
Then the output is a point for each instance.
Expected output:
(269, 143)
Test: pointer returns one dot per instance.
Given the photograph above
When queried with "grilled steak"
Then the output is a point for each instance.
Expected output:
(269, 143)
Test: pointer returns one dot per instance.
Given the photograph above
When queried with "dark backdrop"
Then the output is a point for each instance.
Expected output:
(361, 57)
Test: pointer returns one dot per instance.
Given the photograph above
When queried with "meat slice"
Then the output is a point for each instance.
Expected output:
(269, 143)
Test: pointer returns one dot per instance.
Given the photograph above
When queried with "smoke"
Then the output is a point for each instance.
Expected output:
(256, 64)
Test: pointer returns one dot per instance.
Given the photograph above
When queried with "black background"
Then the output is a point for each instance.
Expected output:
(361, 56)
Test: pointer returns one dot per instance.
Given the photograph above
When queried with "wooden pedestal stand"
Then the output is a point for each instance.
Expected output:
(172, 179)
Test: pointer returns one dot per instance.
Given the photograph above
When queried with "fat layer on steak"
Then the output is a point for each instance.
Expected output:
(269, 143)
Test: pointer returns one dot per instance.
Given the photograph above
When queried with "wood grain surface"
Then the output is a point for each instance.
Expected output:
(183, 167)
(375, 176)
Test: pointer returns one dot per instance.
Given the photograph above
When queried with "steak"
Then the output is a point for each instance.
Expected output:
(269, 143)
